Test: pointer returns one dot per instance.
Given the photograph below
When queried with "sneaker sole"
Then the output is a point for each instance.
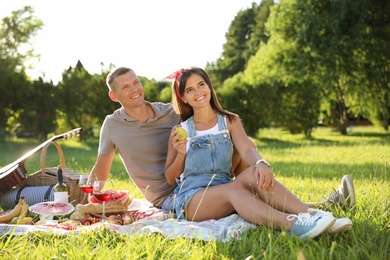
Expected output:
(325, 221)
(342, 227)
(349, 190)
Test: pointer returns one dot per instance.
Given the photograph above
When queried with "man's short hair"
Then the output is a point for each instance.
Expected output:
(114, 74)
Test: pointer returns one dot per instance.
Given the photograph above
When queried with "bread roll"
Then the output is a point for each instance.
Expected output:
(94, 208)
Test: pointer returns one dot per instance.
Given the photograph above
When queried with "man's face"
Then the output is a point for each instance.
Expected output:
(128, 90)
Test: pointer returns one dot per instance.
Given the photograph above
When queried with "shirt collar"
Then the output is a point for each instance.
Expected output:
(124, 116)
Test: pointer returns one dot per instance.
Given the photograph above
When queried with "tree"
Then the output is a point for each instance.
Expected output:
(326, 36)
(246, 32)
(154, 89)
(39, 113)
(232, 60)
(373, 59)
(15, 50)
(243, 39)
(11, 86)
(288, 99)
(15, 33)
(76, 95)
(101, 104)
(243, 99)
(259, 32)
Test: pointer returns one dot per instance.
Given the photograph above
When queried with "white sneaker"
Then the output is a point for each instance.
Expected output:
(345, 194)
(340, 225)
(348, 190)
(307, 225)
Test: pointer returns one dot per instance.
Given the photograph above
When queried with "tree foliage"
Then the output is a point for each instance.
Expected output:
(329, 37)
(83, 99)
(15, 34)
(241, 98)
(373, 58)
(76, 98)
(285, 64)
(235, 49)
(15, 50)
(243, 39)
(39, 113)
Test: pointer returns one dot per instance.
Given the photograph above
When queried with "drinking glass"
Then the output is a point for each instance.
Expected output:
(103, 191)
(86, 185)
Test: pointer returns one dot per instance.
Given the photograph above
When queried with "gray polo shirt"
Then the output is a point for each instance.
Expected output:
(142, 147)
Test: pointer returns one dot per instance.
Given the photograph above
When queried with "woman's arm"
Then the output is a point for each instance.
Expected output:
(174, 164)
(248, 152)
(244, 145)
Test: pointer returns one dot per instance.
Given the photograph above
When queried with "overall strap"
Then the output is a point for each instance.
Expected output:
(222, 126)
(191, 127)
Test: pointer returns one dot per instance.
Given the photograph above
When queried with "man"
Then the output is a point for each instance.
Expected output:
(139, 131)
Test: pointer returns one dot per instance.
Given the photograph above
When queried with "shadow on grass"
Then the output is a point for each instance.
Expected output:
(328, 171)
(81, 157)
(369, 134)
(265, 142)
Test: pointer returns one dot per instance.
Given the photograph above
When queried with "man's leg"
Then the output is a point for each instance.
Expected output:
(344, 196)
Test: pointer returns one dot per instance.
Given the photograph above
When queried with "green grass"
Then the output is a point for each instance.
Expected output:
(309, 168)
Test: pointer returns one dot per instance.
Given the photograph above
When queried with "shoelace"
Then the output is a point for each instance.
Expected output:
(304, 219)
(334, 196)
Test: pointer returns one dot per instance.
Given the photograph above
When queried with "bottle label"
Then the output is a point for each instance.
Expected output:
(61, 197)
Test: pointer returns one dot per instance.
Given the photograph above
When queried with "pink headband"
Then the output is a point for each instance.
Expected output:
(175, 75)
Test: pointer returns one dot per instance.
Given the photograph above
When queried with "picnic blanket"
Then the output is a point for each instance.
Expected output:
(224, 229)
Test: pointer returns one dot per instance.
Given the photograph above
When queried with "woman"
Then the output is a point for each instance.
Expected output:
(200, 166)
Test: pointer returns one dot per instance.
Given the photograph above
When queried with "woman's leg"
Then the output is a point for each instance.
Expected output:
(222, 200)
(279, 197)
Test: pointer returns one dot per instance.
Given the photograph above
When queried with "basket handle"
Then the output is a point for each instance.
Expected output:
(43, 155)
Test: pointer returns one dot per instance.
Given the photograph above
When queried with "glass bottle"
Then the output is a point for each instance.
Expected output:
(60, 189)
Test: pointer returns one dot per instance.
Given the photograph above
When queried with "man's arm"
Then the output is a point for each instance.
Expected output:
(102, 167)
(238, 165)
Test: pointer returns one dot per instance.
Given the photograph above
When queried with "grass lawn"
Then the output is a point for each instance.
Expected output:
(309, 168)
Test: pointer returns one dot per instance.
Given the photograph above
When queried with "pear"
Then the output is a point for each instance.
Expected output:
(181, 131)
(24, 221)
(16, 220)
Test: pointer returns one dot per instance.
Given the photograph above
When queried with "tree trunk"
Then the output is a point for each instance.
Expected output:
(339, 115)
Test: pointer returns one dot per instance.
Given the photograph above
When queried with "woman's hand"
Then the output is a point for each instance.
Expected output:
(176, 155)
(180, 146)
(264, 177)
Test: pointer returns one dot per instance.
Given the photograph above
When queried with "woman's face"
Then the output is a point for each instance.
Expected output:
(196, 92)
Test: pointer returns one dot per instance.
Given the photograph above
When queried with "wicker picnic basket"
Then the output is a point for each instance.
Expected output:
(48, 176)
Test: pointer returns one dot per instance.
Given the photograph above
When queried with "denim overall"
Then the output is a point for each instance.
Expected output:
(207, 163)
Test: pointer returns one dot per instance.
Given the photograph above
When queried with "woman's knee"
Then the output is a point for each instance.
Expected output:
(236, 185)
(247, 177)
(244, 182)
